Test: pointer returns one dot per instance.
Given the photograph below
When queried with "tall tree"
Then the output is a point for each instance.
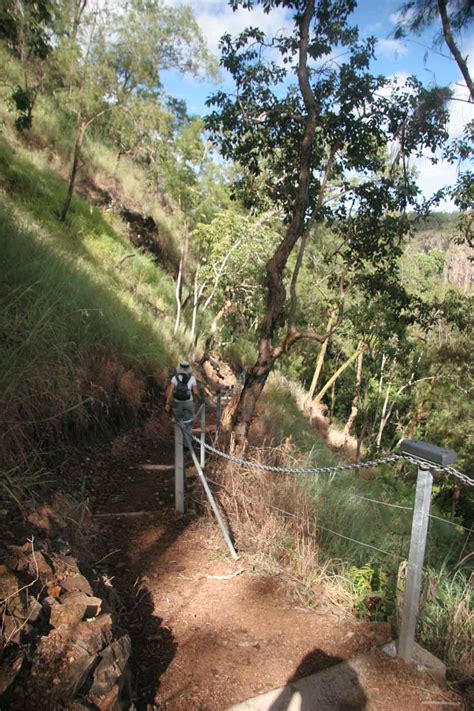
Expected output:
(305, 136)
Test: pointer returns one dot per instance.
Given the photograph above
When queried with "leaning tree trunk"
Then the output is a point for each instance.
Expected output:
(81, 129)
(355, 401)
(276, 295)
(320, 361)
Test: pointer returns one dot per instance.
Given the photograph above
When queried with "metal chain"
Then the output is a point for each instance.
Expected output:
(334, 469)
(298, 470)
(439, 468)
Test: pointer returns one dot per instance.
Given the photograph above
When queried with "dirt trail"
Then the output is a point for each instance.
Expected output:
(208, 632)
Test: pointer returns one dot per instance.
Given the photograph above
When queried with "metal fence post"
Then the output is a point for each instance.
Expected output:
(203, 435)
(178, 469)
(419, 530)
(212, 502)
(428, 454)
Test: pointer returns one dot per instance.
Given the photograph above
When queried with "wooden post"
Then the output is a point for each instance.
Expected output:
(419, 530)
(178, 469)
(203, 435)
(211, 500)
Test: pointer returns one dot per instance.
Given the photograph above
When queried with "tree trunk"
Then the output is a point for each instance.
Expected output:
(212, 331)
(355, 401)
(254, 383)
(333, 395)
(80, 131)
(336, 375)
(363, 429)
(320, 360)
(384, 418)
(179, 279)
(448, 36)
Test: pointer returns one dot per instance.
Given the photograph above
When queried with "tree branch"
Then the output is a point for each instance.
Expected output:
(304, 239)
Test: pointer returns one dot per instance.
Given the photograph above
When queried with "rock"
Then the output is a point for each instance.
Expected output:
(66, 564)
(44, 519)
(48, 603)
(111, 667)
(92, 604)
(95, 635)
(9, 668)
(64, 659)
(8, 588)
(73, 608)
(68, 614)
(77, 582)
(31, 612)
(44, 569)
(75, 675)
(109, 702)
(11, 630)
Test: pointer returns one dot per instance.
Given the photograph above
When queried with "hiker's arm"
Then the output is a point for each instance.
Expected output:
(196, 393)
(169, 396)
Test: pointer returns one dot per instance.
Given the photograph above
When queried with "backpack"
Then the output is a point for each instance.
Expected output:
(181, 391)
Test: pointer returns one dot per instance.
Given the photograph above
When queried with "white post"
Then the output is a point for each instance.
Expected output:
(419, 530)
(203, 435)
(211, 500)
(178, 469)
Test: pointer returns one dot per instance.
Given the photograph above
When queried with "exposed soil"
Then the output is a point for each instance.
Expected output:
(208, 632)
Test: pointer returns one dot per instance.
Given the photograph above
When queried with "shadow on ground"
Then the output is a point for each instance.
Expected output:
(332, 690)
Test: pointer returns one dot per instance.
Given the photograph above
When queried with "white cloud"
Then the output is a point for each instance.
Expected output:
(216, 19)
(391, 48)
(399, 17)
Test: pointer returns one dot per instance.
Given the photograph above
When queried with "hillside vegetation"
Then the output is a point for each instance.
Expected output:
(127, 243)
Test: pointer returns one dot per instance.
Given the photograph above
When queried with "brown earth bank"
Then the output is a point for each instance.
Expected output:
(207, 632)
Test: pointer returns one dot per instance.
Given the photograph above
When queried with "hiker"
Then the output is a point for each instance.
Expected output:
(179, 395)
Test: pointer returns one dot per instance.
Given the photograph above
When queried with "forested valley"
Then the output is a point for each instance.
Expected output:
(281, 243)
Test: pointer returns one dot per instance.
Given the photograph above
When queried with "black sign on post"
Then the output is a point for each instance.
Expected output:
(429, 452)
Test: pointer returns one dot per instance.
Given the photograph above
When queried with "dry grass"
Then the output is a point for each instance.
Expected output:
(271, 522)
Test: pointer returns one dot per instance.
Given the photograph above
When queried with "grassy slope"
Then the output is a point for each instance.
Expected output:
(82, 331)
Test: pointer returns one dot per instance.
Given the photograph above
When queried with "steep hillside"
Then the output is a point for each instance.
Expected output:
(88, 315)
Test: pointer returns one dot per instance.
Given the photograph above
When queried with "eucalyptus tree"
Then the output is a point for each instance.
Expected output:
(305, 118)
(113, 58)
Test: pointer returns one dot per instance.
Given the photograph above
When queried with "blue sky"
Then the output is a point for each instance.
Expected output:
(413, 55)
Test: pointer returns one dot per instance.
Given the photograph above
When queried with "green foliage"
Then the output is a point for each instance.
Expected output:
(240, 355)
(374, 594)
(72, 323)
(445, 625)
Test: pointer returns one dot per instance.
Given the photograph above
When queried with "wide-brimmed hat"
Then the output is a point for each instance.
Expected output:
(184, 368)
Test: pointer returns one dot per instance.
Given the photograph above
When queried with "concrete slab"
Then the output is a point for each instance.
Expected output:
(424, 661)
(334, 689)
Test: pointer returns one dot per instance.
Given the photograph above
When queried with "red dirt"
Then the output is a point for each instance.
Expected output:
(203, 642)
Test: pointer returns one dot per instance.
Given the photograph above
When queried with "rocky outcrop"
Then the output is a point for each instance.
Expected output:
(59, 645)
